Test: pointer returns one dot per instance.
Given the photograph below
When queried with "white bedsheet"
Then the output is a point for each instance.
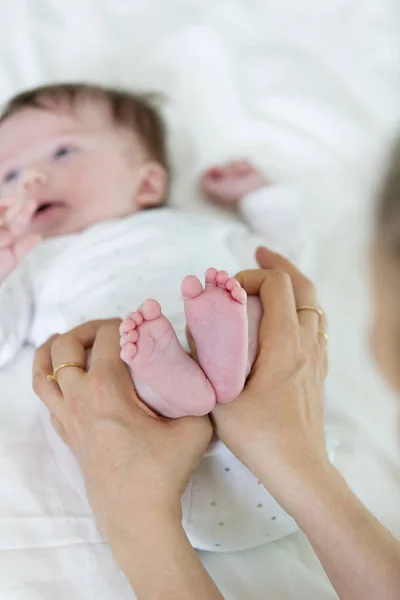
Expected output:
(308, 89)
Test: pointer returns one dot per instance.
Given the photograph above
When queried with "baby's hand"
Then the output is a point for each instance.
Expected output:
(15, 217)
(228, 184)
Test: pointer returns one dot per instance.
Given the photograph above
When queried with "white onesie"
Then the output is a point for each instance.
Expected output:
(109, 270)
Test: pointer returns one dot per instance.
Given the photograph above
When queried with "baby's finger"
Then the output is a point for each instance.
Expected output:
(13, 205)
(6, 238)
(5, 203)
(25, 245)
(19, 219)
(3, 210)
(240, 167)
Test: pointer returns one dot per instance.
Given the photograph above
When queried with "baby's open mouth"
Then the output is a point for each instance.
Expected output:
(48, 205)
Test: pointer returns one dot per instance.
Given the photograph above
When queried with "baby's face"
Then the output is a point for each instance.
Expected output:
(90, 168)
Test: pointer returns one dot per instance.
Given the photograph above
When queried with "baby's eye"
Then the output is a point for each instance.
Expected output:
(63, 151)
(11, 176)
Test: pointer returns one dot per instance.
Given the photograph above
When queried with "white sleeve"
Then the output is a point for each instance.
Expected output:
(274, 213)
(16, 309)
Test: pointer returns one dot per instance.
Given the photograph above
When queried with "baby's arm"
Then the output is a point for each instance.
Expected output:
(272, 211)
(275, 213)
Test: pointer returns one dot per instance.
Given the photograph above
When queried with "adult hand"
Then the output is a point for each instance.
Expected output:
(136, 465)
(134, 462)
(276, 427)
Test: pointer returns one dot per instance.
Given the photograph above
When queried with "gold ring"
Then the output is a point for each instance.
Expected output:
(53, 376)
(324, 334)
(319, 312)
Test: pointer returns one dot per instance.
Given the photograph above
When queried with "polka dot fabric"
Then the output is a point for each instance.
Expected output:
(226, 509)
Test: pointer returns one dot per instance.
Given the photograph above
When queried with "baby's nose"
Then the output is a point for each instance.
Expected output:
(31, 180)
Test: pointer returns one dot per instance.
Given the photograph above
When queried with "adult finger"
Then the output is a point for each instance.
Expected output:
(106, 345)
(251, 280)
(76, 343)
(108, 372)
(106, 348)
(323, 341)
(273, 287)
(276, 294)
(49, 393)
(87, 332)
(279, 307)
(304, 290)
(65, 349)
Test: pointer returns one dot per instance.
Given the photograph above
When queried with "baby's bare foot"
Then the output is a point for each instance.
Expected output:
(217, 319)
(228, 184)
(165, 377)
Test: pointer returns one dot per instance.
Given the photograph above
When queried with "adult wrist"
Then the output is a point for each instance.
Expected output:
(141, 531)
(316, 484)
(146, 542)
(130, 524)
(296, 486)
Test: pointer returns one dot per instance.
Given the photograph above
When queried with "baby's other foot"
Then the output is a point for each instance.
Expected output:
(217, 319)
(165, 377)
(228, 184)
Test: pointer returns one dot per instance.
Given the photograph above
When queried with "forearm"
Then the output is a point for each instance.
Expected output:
(360, 557)
(160, 563)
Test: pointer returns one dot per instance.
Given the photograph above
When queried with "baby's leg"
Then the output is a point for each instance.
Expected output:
(217, 320)
(165, 377)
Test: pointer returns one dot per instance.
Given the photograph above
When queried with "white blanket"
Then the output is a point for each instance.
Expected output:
(310, 90)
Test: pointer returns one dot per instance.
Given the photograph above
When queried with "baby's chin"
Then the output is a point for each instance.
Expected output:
(54, 223)
(53, 232)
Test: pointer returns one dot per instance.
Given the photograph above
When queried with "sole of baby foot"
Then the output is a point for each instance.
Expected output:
(217, 318)
(165, 377)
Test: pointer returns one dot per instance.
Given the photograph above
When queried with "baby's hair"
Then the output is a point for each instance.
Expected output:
(131, 110)
(389, 206)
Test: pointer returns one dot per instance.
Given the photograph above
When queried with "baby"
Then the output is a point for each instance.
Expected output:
(80, 167)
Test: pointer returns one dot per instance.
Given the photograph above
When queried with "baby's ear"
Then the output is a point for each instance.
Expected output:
(153, 185)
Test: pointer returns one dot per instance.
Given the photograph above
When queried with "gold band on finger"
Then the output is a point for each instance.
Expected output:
(324, 335)
(311, 308)
(53, 376)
